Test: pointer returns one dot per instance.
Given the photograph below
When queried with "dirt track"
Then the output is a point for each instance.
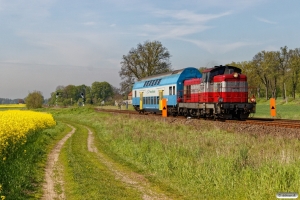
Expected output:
(53, 173)
(132, 179)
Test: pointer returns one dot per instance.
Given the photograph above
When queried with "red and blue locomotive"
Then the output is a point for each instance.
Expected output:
(222, 92)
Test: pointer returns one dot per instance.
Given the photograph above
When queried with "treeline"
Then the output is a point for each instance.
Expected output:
(98, 93)
(10, 101)
(273, 73)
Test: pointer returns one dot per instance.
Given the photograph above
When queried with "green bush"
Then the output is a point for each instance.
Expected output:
(34, 100)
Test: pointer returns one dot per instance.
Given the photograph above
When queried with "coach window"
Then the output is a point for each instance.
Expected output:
(173, 90)
(170, 90)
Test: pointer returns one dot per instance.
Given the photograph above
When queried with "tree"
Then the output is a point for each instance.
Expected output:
(294, 72)
(147, 59)
(101, 91)
(267, 69)
(283, 58)
(34, 100)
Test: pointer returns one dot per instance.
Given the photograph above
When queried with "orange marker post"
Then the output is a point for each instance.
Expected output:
(273, 107)
(164, 108)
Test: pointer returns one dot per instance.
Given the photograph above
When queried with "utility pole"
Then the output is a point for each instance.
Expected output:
(57, 94)
(82, 96)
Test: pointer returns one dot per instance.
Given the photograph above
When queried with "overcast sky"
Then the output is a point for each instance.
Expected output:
(46, 43)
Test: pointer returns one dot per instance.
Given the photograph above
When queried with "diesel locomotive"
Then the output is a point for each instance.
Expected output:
(218, 92)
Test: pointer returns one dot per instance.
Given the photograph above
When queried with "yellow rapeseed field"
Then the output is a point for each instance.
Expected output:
(16, 124)
(12, 105)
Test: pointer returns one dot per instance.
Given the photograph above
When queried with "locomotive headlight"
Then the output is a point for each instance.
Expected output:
(235, 75)
(252, 99)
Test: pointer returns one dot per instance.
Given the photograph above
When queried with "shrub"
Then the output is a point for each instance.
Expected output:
(34, 100)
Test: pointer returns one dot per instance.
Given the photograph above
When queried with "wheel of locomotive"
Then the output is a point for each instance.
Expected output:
(185, 112)
(215, 117)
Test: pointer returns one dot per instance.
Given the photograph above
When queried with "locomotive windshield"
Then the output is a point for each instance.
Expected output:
(219, 70)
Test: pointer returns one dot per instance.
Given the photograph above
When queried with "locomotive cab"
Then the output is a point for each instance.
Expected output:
(222, 92)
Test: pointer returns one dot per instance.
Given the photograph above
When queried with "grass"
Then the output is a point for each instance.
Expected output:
(85, 177)
(189, 163)
(123, 107)
(290, 110)
(197, 164)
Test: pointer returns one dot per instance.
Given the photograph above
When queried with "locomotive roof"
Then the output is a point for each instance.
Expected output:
(221, 67)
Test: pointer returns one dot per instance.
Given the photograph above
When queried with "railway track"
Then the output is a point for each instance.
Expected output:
(284, 123)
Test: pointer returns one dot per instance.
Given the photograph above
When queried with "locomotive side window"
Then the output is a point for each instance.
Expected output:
(173, 90)
(188, 91)
(170, 90)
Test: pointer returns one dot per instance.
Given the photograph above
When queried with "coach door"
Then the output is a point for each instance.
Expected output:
(161, 94)
(141, 101)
